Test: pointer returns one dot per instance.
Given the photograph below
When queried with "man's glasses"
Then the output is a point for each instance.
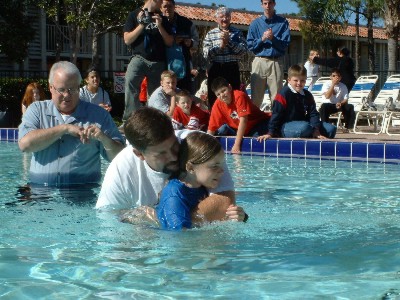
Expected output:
(64, 92)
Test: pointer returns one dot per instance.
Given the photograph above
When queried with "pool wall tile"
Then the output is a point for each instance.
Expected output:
(247, 145)
(258, 147)
(328, 149)
(299, 147)
(313, 148)
(360, 150)
(284, 147)
(344, 149)
(374, 152)
(272, 146)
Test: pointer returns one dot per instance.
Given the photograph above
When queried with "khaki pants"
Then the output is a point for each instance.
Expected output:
(266, 72)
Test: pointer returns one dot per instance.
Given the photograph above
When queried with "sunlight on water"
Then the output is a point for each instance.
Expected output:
(317, 229)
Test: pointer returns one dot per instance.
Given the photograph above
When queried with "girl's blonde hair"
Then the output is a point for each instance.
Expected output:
(197, 148)
(28, 96)
(311, 53)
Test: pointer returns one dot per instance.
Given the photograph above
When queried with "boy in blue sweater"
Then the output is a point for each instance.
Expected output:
(294, 112)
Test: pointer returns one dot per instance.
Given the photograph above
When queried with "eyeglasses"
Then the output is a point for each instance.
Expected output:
(63, 91)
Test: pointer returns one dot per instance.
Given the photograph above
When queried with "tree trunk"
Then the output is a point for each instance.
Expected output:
(392, 21)
(95, 49)
(371, 50)
(357, 41)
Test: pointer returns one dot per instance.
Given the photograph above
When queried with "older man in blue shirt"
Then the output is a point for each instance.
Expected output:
(67, 135)
(268, 38)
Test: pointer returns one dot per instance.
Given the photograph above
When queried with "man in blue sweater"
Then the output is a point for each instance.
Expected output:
(268, 38)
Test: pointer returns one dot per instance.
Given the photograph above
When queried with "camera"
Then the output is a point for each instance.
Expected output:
(145, 17)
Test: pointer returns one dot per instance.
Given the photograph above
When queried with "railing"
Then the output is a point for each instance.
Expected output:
(54, 35)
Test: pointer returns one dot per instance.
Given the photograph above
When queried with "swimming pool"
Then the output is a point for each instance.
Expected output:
(318, 229)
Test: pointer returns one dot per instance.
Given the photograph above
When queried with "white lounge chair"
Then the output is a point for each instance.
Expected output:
(317, 91)
(379, 111)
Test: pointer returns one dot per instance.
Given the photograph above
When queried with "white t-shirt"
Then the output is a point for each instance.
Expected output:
(130, 182)
(101, 97)
(340, 92)
(312, 69)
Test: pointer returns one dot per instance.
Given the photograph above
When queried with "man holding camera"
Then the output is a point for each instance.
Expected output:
(186, 36)
(148, 33)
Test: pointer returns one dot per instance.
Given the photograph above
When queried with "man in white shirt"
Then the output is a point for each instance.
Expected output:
(337, 93)
(137, 176)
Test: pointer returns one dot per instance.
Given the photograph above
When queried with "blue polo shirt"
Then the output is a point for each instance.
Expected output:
(270, 48)
(67, 161)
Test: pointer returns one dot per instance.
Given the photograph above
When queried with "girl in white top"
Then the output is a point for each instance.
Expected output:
(312, 69)
(92, 92)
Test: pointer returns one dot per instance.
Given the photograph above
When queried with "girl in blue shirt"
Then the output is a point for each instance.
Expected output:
(201, 167)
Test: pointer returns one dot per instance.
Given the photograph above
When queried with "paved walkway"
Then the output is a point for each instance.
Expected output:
(383, 137)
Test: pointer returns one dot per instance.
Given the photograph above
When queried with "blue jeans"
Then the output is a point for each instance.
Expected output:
(303, 129)
(138, 68)
(260, 129)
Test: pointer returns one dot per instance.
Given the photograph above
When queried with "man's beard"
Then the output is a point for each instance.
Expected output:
(171, 168)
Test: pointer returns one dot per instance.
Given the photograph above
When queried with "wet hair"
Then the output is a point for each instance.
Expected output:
(222, 10)
(146, 127)
(28, 96)
(182, 94)
(297, 71)
(197, 148)
(344, 51)
(273, 1)
(172, 1)
(337, 71)
(168, 74)
(219, 83)
(68, 68)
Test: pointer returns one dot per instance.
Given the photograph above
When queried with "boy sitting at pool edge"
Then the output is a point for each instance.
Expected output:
(233, 113)
(294, 112)
(187, 115)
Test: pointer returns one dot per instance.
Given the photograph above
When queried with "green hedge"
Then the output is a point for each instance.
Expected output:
(12, 90)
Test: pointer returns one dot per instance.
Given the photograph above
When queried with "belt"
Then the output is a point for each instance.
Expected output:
(225, 63)
(270, 57)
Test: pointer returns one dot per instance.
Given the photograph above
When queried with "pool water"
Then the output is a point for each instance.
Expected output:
(317, 230)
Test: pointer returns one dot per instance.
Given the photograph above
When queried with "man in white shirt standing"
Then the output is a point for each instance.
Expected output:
(136, 177)
(337, 93)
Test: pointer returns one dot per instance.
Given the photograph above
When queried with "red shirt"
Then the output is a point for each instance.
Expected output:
(241, 105)
(198, 119)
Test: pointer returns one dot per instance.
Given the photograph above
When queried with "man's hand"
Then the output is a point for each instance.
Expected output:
(235, 213)
(267, 35)
(224, 38)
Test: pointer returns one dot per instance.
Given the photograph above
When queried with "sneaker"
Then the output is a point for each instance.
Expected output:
(121, 128)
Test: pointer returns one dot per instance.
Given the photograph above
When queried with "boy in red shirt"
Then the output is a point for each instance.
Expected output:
(233, 113)
(187, 114)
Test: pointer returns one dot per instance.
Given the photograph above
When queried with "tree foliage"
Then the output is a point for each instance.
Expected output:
(101, 16)
(15, 30)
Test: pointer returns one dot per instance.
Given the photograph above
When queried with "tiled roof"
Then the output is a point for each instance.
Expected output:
(241, 17)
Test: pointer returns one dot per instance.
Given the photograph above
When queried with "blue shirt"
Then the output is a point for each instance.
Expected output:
(270, 48)
(67, 161)
(176, 202)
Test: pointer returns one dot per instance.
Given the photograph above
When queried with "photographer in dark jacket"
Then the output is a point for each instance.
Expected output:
(343, 62)
(186, 35)
(147, 32)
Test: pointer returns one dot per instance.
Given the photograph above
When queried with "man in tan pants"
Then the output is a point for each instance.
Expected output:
(269, 49)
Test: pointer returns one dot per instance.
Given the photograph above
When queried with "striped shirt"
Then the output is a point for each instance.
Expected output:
(233, 52)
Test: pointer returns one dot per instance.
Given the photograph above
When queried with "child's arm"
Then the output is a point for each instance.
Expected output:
(239, 134)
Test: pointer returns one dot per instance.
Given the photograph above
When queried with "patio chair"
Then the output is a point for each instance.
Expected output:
(379, 111)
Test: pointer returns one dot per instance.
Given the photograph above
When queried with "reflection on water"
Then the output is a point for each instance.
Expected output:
(76, 195)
